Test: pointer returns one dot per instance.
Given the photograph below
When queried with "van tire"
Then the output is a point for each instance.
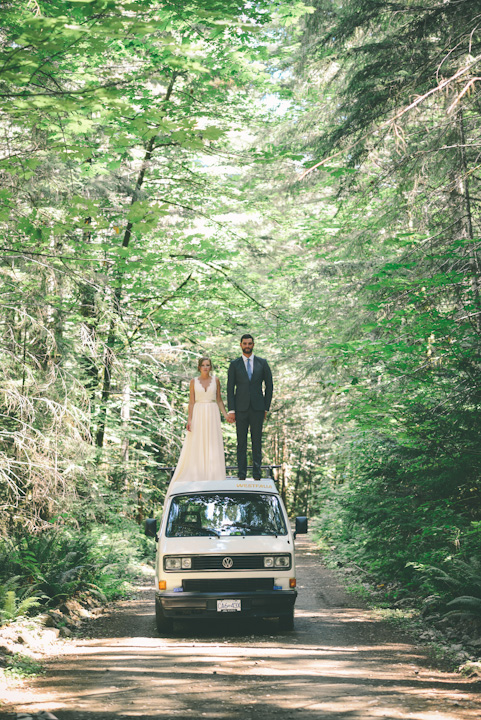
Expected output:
(164, 624)
(286, 622)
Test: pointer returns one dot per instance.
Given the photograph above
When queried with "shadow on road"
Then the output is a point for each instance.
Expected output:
(340, 663)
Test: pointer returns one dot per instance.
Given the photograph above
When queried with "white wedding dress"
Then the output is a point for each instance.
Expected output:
(202, 455)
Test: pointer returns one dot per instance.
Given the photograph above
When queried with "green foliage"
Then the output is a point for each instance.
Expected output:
(17, 600)
(387, 281)
(113, 112)
(151, 212)
(48, 568)
(20, 667)
(465, 606)
(12, 607)
(409, 502)
(455, 586)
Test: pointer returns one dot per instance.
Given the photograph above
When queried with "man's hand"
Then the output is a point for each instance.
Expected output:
(266, 414)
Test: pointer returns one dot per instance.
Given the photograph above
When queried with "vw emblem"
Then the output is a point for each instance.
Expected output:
(227, 562)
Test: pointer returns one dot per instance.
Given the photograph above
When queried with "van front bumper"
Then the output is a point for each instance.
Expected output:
(272, 603)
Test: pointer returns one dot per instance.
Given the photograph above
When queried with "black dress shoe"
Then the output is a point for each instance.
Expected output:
(240, 477)
(257, 479)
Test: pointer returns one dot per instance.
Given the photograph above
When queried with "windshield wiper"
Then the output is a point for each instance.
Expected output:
(247, 529)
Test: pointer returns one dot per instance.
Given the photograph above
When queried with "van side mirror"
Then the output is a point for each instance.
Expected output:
(301, 525)
(151, 527)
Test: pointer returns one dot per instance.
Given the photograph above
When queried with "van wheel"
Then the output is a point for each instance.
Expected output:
(286, 622)
(164, 624)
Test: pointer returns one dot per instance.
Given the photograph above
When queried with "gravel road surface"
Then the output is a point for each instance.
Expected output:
(340, 663)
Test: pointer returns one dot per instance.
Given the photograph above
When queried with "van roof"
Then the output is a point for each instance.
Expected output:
(229, 484)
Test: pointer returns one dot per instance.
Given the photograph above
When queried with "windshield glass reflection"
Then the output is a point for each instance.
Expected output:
(217, 514)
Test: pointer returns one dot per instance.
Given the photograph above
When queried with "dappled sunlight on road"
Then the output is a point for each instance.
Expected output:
(340, 663)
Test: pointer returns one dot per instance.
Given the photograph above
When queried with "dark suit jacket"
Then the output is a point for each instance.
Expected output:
(242, 393)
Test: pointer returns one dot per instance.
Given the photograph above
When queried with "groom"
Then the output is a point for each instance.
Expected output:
(249, 403)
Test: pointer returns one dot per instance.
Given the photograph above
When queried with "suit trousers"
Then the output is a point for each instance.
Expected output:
(255, 420)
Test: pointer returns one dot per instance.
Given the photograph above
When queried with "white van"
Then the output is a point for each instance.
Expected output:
(224, 547)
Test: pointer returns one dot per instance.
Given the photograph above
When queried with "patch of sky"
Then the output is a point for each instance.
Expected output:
(273, 103)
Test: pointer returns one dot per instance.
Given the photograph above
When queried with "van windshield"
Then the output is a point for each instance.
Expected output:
(219, 514)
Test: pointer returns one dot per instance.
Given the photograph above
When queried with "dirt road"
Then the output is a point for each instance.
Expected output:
(340, 663)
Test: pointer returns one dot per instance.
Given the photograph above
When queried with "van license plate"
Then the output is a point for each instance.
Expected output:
(228, 605)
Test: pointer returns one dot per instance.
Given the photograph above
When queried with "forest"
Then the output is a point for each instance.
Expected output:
(174, 174)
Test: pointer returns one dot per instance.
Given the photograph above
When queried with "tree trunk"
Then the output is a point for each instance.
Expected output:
(125, 416)
(285, 466)
(109, 352)
(297, 480)
(467, 223)
(89, 313)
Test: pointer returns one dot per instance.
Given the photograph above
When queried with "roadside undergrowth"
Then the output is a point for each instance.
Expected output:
(453, 639)
(54, 579)
(42, 571)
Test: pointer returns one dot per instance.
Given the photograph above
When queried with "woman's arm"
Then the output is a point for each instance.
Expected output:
(220, 402)
(191, 405)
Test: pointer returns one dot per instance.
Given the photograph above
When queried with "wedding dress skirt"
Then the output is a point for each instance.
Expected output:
(202, 455)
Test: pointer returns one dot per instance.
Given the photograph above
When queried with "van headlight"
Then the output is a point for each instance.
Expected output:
(278, 561)
(178, 563)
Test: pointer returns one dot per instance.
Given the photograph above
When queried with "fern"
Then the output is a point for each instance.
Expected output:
(9, 604)
(13, 609)
(466, 606)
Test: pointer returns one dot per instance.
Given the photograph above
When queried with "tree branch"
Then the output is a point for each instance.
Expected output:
(398, 115)
(165, 299)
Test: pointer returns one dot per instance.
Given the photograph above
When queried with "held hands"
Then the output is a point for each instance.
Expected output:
(230, 418)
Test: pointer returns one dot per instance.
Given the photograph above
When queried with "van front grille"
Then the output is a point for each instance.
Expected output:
(231, 585)
(239, 562)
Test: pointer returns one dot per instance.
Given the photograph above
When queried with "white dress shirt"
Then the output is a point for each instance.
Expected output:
(245, 359)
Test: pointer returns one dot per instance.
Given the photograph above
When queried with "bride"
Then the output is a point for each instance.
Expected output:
(202, 455)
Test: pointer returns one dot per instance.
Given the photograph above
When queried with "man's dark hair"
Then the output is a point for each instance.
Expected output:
(246, 337)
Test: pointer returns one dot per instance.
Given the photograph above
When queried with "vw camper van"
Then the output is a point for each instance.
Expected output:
(224, 548)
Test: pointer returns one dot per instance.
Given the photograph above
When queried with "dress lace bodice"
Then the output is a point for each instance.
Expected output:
(205, 396)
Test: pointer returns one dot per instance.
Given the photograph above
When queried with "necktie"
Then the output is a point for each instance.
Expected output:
(249, 370)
